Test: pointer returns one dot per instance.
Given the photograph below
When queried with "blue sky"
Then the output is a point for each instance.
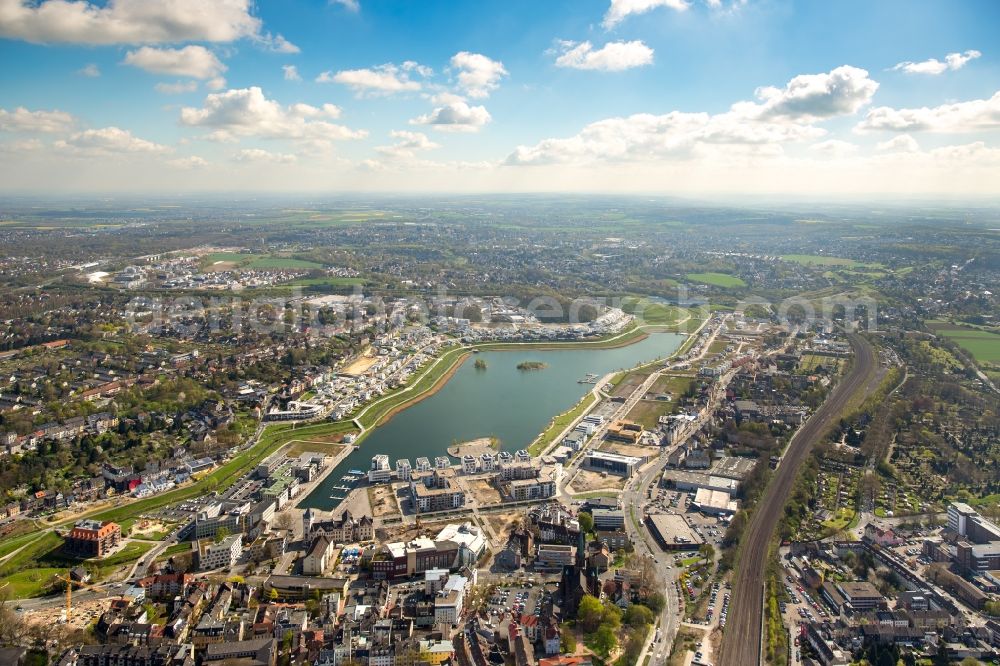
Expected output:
(668, 96)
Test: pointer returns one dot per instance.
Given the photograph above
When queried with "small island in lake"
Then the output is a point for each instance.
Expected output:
(480, 364)
(532, 365)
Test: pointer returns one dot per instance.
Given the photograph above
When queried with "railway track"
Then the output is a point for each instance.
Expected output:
(741, 640)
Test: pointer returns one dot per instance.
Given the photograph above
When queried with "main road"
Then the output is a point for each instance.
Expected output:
(741, 641)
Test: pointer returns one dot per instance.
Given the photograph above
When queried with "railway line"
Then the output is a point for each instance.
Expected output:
(742, 640)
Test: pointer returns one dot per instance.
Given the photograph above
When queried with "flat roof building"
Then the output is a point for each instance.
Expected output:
(672, 532)
(716, 502)
(613, 463)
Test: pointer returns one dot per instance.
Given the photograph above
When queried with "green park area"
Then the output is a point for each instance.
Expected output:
(716, 279)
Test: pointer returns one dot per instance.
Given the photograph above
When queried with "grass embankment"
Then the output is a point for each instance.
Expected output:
(560, 423)
(220, 478)
(776, 646)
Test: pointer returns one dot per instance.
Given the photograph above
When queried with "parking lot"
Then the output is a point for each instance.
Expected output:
(710, 529)
(516, 601)
(803, 605)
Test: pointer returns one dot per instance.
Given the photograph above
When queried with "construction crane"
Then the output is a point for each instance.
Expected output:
(69, 591)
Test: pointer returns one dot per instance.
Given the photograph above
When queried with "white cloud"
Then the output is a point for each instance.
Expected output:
(91, 71)
(408, 145)
(23, 120)
(413, 66)
(194, 61)
(349, 5)
(971, 116)
(674, 136)
(218, 83)
(382, 80)
(933, 66)
(108, 141)
(810, 97)
(176, 88)
(620, 9)
(456, 116)
(477, 74)
(612, 57)
(904, 143)
(192, 162)
(246, 112)
(835, 148)
(127, 21)
(263, 156)
(291, 73)
(276, 43)
(748, 129)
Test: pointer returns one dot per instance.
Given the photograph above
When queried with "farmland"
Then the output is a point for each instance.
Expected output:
(984, 346)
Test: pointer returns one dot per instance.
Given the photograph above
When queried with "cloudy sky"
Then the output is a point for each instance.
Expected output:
(659, 96)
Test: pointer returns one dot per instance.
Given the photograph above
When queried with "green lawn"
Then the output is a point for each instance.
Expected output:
(716, 279)
(130, 553)
(176, 549)
(10, 544)
(31, 582)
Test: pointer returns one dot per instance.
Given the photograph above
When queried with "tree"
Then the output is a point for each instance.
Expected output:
(604, 640)
(656, 602)
(637, 615)
(567, 640)
(586, 521)
(707, 552)
(589, 613)
(221, 534)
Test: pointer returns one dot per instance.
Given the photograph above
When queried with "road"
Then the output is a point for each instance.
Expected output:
(741, 642)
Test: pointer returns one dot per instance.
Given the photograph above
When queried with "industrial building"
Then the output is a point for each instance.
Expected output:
(688, 481)
(715, 502)
(672, 532)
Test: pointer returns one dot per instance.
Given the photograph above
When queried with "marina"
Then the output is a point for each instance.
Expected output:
(510, 405)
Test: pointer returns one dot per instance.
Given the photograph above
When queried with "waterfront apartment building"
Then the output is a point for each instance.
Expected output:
(434, 491)
(380, 471)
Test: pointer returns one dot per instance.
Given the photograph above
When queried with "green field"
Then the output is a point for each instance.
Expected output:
(273, 262)
(818, 260)
(655, 314)
(983, 345)
(260, 261)
(716, 279)
(329, 282)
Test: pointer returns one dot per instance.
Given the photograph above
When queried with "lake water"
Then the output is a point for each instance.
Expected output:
(501, 401)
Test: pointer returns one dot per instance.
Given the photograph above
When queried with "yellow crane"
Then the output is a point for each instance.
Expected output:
(69, 591)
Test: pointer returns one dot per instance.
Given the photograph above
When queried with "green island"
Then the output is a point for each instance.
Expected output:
(531, 365)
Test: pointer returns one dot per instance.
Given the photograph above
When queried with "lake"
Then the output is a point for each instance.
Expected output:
(500, 401)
